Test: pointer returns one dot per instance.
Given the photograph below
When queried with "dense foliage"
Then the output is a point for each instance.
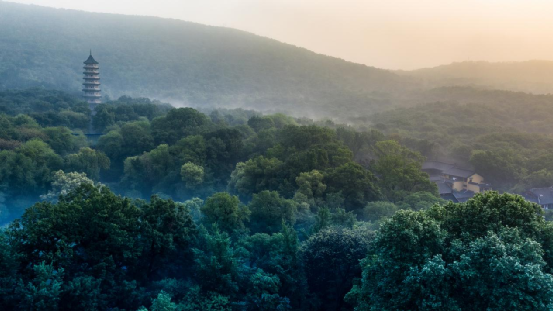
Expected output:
(491, 253)
(94, 250)
(177, 209)
(505, 136)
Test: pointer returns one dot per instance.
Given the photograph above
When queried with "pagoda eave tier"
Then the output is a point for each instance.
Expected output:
(92, 78)
(90, 90)
(91, 73)
(91, 83)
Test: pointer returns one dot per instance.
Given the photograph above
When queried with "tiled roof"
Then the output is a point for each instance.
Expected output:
(544, 195)
(459, 172)
(463, 196)
(443, 188)
(91, 60)
(436, 165)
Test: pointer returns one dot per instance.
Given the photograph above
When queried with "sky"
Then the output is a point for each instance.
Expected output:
(392, 34)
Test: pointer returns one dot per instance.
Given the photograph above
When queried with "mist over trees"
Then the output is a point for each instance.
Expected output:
(177, 209)
(304, 190)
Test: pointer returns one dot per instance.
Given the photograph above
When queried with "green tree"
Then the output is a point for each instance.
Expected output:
(256, 175)
(331, 260)
(453, 257)
(64, 183)
(310, 187)
(179, 123)
(226, 211)
(166, 233)
(356, 184)
(269, 210)
(216, 262)
(374, 211)
(103, 119)
(43, 292)
(192, 174)
(62, 140)
(261, 123)
(161, 303)
(399, 171)
(87, 161)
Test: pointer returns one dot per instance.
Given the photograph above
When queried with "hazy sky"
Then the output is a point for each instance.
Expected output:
(395, 34)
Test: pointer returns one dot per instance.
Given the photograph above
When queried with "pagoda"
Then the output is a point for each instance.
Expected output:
(91, 85)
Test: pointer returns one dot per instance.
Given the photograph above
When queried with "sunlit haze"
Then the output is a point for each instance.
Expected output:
(392, 34)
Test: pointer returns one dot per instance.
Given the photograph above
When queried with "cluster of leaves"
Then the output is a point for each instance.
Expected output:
(47, 107)
(491, 253)
(126, 109)
(94, 250)
(183, 153)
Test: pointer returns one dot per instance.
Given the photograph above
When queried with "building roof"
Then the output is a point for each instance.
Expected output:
(544, 195)
(463, 196)
(443, 188)
(436, 165)
(530, 198)
(459, 172)
(91, 60)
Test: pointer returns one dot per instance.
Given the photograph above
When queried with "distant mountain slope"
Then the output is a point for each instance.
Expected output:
(530, 76)
(184, 62)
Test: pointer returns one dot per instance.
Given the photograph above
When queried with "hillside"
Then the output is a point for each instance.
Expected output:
(183, 62)
(529, 76)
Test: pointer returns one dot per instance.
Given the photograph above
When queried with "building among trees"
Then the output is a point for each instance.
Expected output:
(91, 85)
(455, 183)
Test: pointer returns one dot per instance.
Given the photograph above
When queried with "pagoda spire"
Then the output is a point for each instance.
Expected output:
(91, 85)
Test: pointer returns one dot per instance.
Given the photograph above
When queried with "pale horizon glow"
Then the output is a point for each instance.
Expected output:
(391, 34)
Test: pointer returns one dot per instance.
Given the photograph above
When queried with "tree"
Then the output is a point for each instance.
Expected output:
(356, 184)
(216, 262)
(43, 292)
(256, 175)
(167, 232)
(179, 123)
(62, 140)
(161, 303)
(277, 254)
(310, 186)
(261, 123)
(8, 272)
(374, 211)
(419, 200)
(65, 183)
(87, 161)
(103, 119)
(399, 171)
(192, 174)
(226, 211)
(453, 257)
(500, 167)
(269, 211)
(331, 260)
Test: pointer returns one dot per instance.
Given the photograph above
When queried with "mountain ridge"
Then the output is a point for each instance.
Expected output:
(183, 62)
(532, 76)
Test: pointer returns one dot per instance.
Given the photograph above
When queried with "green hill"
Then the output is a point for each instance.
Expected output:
(183, 62)
(529, 76)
